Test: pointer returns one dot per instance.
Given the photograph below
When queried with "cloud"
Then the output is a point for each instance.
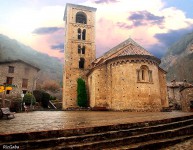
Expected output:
(145, 15)
(106, 1)
(140, 18)
(59, 46)
(124, 25)
(158, 50)
(167, 39)
(47, 30)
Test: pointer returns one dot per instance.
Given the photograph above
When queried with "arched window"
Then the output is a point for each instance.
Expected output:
(83, 50)
(84, 34)
(81, 17)
(79, 33)
(81, 63)
(144, 74)
(79, 49)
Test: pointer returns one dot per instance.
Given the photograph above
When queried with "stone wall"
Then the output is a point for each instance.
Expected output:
(117, 87)
(98, 88)
(174, 95)
(163, 88)
(19, 74)
(187, 99)
(71, 68)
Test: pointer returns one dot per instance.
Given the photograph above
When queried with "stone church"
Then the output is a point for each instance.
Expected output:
(127, 77)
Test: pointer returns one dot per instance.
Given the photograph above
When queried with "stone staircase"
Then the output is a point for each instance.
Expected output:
(143, 135)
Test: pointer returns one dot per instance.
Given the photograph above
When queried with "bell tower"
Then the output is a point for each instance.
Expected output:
(79, 48)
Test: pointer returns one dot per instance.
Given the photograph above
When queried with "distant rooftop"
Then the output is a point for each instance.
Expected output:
(18, 60)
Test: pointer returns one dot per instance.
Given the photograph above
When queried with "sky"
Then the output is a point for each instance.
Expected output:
(154, 24)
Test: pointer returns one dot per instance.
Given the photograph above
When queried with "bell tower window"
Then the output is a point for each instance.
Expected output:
(81, 63)
(83, 50)
(81, 18)
(79, 34)
(84, 34)
(79, 49)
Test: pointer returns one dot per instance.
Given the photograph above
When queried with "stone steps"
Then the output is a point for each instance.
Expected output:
(88, 130)
(128, 140)
(102, 137)
(154, 144)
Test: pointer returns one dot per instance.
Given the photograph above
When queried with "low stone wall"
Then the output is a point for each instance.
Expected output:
(187, 99)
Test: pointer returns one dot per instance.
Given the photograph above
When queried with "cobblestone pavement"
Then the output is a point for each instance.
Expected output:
(187, 145)
(55, 120)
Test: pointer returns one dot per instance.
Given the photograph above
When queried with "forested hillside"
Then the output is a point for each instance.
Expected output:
(179, 59)
(51, 68)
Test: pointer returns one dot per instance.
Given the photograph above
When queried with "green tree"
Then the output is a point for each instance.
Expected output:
(45, 99)
(29, 99)
(81, 93)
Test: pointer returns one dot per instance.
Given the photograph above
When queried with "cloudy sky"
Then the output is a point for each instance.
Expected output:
(154, 24)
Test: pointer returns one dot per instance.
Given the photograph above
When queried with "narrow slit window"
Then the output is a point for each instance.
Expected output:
(79, 49)
(79, 34)
(84, 34)
(81, 63)
(83, 50)
(143, 74)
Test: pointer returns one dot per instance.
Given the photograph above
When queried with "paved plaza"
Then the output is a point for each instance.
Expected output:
(58, 120)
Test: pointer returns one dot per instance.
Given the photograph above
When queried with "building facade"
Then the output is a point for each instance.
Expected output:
(79, 49)
(187, 98)
(180, 95)
(19, 73)
(127, 77)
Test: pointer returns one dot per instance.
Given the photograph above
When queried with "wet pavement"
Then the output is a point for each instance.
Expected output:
(186, 145)
(58, 120)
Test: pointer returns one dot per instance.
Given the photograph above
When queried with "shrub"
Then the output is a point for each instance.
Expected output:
(52, 97)
(16, 105)
(38, 94)
(29, 99)
(51, 85)
(81, 93)
(45, 99)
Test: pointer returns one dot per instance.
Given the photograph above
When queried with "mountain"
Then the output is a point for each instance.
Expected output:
(50, 68)
(178, 61)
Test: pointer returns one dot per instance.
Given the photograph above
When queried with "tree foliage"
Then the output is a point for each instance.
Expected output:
(38, 94)
(51, 85)
(29, 99)
(45, 99)
(81, 93)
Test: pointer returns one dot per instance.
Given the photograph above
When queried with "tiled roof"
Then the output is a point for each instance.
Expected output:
(134, 50)
(127, 48)
(18, 60)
